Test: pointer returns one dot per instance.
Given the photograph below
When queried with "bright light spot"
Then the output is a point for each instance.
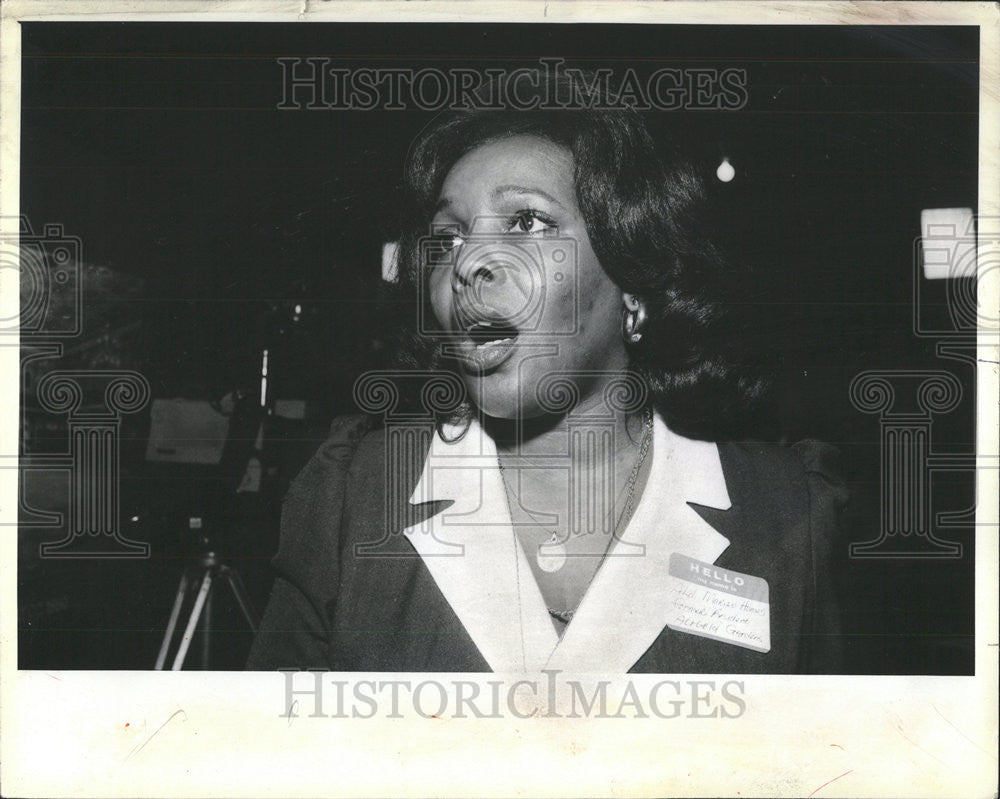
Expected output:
(298, 309)
(725, 172)
(390, 261)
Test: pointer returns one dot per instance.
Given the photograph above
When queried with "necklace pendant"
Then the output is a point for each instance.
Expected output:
(551, 555)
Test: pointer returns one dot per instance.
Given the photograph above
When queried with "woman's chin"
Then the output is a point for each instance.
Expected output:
(500, 399)
(494, 408)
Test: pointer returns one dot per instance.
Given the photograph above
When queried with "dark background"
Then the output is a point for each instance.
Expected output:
(206, 215)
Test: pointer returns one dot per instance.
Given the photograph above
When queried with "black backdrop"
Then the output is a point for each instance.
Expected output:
(207, 213)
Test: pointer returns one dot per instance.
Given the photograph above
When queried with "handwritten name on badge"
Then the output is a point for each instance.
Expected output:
(718, 603)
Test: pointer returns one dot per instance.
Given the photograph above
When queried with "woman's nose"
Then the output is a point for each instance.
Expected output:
(493, 280)
(470, 278)
(472, 270)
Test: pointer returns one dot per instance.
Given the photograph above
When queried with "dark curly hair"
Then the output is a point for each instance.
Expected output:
(650, 222)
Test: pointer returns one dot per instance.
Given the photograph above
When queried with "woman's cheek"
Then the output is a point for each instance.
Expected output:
(560, 313)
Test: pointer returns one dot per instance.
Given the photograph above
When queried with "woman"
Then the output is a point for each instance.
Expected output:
(563, 502)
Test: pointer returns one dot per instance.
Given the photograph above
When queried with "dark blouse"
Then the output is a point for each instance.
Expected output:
(331, 609)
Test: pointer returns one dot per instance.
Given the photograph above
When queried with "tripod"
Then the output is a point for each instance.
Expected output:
(210, 568)
(241, 449)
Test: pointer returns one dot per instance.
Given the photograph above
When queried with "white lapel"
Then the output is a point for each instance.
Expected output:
(472, 554)
(474, 557)
(625, 608)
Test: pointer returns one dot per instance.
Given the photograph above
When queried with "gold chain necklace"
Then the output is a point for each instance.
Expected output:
(554, 555)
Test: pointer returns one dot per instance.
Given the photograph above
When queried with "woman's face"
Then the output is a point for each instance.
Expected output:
(513, 279)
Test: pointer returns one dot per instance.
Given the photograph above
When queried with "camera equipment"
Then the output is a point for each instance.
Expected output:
(199, 578)
(211, 568)
(240, 458)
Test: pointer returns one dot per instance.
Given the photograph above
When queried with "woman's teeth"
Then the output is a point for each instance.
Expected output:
(492, 343)
(489, 334)
(488, 346)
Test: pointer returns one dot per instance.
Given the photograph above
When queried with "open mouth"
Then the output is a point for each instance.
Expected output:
(488, 345)
(490, 334)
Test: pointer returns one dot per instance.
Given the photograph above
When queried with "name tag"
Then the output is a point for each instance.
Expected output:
(718, 603)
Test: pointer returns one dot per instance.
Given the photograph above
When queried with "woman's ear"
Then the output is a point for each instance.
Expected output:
(632, 302)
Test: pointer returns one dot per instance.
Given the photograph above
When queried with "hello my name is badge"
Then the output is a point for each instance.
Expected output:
(717, 603)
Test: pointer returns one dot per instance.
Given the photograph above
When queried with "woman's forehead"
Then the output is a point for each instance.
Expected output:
(523, 163)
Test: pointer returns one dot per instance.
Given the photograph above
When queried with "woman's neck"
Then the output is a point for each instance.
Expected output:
(548, 436)
(607, 401)
(580, 468)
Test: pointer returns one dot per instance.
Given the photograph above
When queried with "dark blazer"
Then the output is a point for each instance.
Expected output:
(331, 609)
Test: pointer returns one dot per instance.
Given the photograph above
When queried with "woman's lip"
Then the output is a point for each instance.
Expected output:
(485, 357)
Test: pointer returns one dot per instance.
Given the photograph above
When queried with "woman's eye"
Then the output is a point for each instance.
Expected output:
(530, 222)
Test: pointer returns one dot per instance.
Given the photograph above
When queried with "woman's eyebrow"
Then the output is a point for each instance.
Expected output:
(510, 188)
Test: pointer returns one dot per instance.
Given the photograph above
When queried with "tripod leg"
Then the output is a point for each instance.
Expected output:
(199, 604)
(206, 633)
(175, 612)
(242, 597)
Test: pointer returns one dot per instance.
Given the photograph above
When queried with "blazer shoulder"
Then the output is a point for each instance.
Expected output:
(750, 461)
(334, 456)
(809, 456)
(813, 465)
(818, 457)
(374, 445)
(357, 458)
(822, 465)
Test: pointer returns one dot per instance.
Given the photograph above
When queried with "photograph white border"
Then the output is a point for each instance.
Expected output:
(130, 733)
